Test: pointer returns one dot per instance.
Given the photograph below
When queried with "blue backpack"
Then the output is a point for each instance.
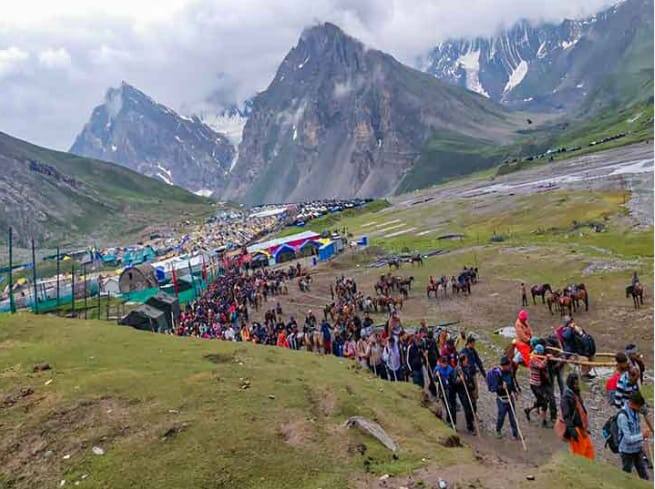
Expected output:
(494, 379)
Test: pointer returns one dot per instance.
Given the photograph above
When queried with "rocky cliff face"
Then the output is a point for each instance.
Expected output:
(341, 120)
(133, 130)
(548, 67)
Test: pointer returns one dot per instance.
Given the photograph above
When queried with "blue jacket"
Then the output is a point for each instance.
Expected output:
(629, 431)
(447, 375)
(474, 359)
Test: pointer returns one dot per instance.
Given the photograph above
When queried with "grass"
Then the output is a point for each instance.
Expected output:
(232, 437)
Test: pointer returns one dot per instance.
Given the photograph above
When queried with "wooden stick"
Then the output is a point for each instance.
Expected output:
(584, 363)
(559, 350)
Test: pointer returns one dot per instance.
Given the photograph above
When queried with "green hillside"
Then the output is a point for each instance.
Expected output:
(173, 412)
(58, 197)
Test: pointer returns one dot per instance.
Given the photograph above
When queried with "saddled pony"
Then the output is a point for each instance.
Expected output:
(637, 293)
(405, 282)
(540, 291)
(393, 263)
(565, 304)
(579, 294)
(417, 258)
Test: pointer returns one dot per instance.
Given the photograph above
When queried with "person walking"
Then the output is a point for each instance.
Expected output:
(464, 382)
(391, 357)
(524, 295)
(523, 335)
(539, 384)
(505, 392)
(574, 415)
(475, 366)
(632, 438)
(414, 361)
(627, 385)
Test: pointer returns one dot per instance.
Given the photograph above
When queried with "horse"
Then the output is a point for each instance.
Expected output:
(393, 263)
(565, 303)
(637, 293)
(540, 290)
(417, 258)
(407, 282)
(553, 299)
(579, 294)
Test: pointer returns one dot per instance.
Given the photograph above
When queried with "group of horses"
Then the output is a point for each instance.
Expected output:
(460, 284)
(396, 262)
(567, 300)
(384, 289)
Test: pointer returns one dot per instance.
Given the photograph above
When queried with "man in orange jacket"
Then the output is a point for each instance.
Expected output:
(523, 335)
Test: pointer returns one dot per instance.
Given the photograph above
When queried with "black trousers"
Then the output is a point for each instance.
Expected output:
(637, 460)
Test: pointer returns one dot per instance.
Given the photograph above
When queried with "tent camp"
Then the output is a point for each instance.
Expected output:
(138, 277)
(147, 318)
(284, 253)
(308, 248)
(327, 251)
(167, 303)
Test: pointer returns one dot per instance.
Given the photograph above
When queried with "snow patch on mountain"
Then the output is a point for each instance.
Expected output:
(165, 174)
(516, 77)
(230, 125)
(470, 62)
(204, 192)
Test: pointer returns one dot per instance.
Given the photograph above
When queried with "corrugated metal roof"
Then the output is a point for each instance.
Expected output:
(271, 243)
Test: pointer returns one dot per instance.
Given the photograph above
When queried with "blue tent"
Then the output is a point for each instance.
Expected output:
(327, 251)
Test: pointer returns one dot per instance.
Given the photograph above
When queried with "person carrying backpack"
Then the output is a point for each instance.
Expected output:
(574, 415)
(539, 384)
(631, 438)
(501, 381)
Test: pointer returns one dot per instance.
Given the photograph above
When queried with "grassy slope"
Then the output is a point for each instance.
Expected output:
(233, 438)
(116, 202)
(123, 390)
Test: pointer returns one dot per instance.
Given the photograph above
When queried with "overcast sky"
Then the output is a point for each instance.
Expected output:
(58, 57)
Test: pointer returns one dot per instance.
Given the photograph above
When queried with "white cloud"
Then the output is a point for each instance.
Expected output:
(11, 60)
(55, 58)
(192, 54)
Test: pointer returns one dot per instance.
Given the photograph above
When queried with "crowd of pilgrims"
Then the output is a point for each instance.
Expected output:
(446, 361)
(343, 329)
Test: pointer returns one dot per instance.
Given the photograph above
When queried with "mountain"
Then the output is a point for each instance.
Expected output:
(340, 119)
(133, 130)
(61, 198)
(556, 67)
(229, 121)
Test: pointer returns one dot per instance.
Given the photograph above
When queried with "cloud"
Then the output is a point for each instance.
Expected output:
(11, 60)
(57, 59)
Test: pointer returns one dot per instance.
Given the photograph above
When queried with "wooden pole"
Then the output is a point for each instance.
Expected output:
(58, 271)
(73, 289)
(12, 304)
(85, 292)
(583, 363)
(35, 307)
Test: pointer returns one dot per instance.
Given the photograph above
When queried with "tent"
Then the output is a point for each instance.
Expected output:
(308, 248)
(327, 251)
(284, 253)
(137, 278)
(147, 318)
(259, 260)
(167, 303)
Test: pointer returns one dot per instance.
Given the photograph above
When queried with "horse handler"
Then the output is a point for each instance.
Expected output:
(523, 336)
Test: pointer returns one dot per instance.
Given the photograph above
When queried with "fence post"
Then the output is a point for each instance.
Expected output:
(58, 270)
(12, 304)
(35, 307)
(73, 289)
(85, 294)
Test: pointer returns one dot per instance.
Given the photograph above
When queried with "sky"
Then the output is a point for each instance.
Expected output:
(57, 58)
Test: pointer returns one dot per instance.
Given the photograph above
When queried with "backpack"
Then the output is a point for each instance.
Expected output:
(611, 432)
(494, 379)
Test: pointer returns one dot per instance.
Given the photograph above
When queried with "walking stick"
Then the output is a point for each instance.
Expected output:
(443, 391)
(475, 414)
(518, 427)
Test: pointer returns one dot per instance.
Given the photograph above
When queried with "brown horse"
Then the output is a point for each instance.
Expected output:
(565, 304)
(540, 291)
(637, 293)
(553, 300)
(417, 258)
(579, 294)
